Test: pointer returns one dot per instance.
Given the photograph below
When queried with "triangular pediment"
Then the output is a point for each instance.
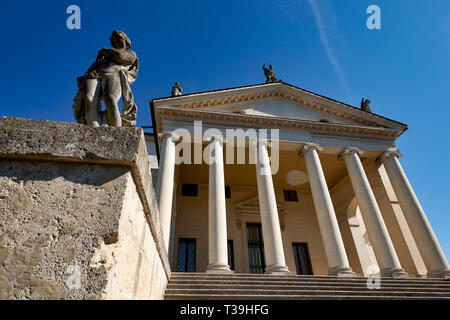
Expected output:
(280, 108)
(279, 100)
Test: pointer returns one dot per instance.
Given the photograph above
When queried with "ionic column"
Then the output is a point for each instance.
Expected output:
(328, 225)
(273, 243)
(423, 234)
(379, 237)
(218, 246)
(165, 183)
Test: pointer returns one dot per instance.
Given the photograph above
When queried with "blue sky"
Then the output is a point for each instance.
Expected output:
(320, 45)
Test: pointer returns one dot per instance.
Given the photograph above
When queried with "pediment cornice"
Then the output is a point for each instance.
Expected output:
(255, 121)
(220, 99)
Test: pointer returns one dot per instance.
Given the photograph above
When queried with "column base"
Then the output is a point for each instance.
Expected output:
(218, 268)
(445, 273)
(342, 272)
(394, 273)
(278, 269)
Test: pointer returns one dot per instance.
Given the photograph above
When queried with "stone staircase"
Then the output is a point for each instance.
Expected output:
(201, 286)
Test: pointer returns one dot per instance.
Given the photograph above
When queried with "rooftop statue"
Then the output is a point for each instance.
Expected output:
(108, 79)
(177, 90)
(365, 105)
(270, 75)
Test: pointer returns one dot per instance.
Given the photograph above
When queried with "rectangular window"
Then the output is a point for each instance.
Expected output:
(231, 254)
(227, 192)
(290, 195)
(302, 260)
(189, 190)
(186, 261)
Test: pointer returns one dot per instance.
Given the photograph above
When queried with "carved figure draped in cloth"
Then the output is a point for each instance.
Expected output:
(109, 78)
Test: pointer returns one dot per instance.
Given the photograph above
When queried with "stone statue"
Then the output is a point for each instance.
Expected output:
(177, 90)
(108, 79)
(365, 105)
(270, 75)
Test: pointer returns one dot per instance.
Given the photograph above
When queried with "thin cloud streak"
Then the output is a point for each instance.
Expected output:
(327, 47)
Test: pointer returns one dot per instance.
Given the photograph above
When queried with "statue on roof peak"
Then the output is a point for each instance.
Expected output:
(270, 75)
(365, 105)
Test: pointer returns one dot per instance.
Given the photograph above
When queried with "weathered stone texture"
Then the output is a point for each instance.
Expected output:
(53, 216)
(135, 268)
(76, 200)
(51, 140)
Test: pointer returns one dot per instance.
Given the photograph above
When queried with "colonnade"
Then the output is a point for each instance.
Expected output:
(384, 250)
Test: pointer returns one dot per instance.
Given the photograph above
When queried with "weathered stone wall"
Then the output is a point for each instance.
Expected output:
(135, 268)
(78, 216)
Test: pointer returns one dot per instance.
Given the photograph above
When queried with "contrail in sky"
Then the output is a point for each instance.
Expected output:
(328, 49)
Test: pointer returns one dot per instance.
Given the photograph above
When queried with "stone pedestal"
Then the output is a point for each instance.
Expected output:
(78, 214)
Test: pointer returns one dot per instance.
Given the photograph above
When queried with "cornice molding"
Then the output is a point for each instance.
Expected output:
(254, 121)
(283, 91)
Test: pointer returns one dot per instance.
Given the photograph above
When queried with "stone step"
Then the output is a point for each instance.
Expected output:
(296, 297)
(233, 274)
(265, 276)
(330, 291)
(197, 286)
(304, 283)
(304, 279)
(265, 286)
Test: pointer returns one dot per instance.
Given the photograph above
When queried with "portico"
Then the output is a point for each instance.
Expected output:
(327, 157)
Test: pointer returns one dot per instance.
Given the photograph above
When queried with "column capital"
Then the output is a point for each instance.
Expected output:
(262, 142)
(389, 153)
(169, 134)
(308, 147)
(348, 151)
(213, 138)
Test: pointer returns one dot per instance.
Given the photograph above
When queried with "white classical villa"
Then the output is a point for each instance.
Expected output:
(335, 200)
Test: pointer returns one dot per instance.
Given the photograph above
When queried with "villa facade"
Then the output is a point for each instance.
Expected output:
(325, 195)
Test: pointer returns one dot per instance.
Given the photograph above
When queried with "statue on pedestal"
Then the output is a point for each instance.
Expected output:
(108, 79)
